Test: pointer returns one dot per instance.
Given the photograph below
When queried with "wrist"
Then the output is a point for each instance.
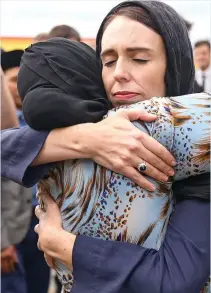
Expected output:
(73, 142)
(80, 140)
(61, 247)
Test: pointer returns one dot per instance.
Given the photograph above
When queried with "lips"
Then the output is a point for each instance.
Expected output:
(125, 95)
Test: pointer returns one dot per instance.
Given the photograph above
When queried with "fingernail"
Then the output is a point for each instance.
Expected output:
(171, 173)
(164, 178)
(173, 163)
(152, 188)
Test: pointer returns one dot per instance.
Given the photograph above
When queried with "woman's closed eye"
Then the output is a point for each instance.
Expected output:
(140, 60)
(109, 63)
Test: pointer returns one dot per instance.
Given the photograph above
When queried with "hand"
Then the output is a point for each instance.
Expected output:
(118, 145)
(49, 260)
(53, 239)
(50, 223)
(114, 143)
(9, 259)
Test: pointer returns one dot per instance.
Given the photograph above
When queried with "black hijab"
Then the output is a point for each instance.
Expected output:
(60, 84)
(171, 27)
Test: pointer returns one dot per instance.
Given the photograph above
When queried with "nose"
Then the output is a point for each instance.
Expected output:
(121, 72)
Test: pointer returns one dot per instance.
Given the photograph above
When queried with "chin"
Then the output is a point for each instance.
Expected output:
(118, 103)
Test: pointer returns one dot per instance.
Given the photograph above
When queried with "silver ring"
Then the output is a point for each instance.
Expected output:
(142, 167)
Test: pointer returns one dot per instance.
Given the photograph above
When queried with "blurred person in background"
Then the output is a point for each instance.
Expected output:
(41, 37)
(15, 222)
(10, 62)
(33, 262)
(65, 31)
(15, 211)
(202, 60)
(197, 87)
(8, 114)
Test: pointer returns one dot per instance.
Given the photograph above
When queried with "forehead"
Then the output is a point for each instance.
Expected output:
(124, 32)
(202, 48)
(12, 72)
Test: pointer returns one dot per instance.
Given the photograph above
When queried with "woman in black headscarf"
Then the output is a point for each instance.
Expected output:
(60, 84)
(145, 287)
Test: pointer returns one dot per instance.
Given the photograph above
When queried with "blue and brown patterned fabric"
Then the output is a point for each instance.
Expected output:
(97, 202)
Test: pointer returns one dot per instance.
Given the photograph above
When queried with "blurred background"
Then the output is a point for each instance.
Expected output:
(22, 20)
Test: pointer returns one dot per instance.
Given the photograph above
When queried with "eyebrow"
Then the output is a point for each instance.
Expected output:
(129, 49)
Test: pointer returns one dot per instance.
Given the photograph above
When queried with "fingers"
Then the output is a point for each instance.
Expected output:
(158, 167)
(15, 256)
(157, 149)
(154, 173)
(38, 212)
(139, 179)
(48, 203)
(38, 245)
(46, 198)
(4, 266)
(49, 260)
(12, 265)
(133, 114)
(36, 229)
(7, 265)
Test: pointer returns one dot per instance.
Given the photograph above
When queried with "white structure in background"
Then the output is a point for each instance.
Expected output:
(28, 18)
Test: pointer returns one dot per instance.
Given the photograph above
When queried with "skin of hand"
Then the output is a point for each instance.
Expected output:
(121, 147)
(49, 260)
(54, 241)
(9, 259)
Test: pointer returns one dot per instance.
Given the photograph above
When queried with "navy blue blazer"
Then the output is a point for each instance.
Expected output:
(182, 265)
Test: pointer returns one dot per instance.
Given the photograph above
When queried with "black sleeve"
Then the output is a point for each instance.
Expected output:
(19, 147)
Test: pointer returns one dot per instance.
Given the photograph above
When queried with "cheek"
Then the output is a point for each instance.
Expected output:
(152, 79)
(12, 88)
(107, 80)
(207, 57)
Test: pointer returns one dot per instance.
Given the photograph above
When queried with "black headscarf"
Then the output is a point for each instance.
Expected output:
(171, 27)
(60, 84)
